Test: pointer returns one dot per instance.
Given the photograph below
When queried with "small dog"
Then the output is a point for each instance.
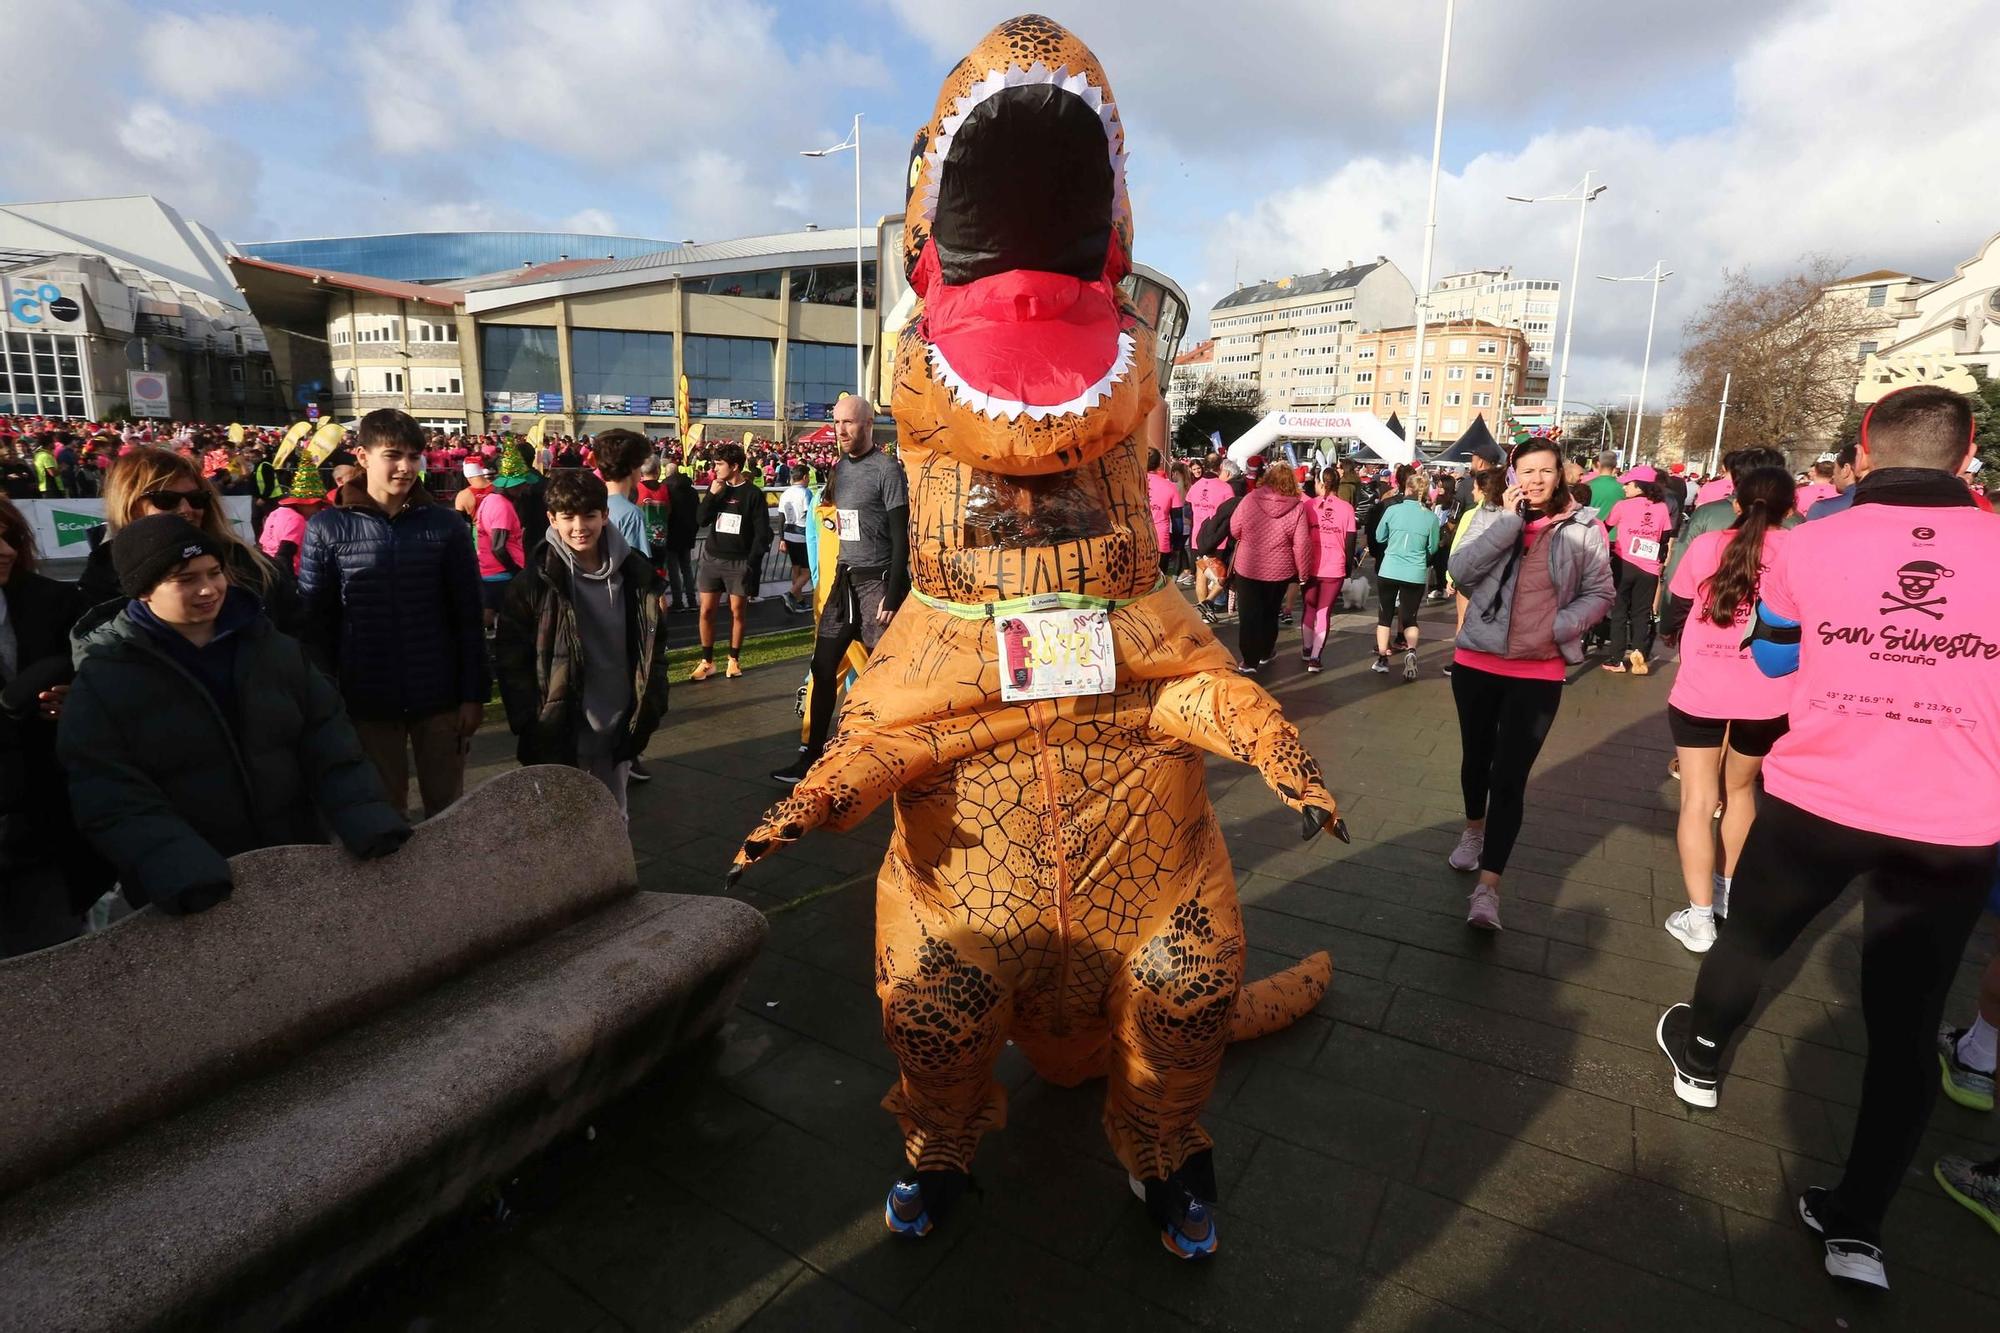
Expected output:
(1354, 593)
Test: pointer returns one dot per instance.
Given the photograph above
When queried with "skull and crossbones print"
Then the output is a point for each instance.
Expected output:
(1918, 580)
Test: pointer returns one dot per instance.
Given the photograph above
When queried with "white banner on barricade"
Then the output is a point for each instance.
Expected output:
(62, 527)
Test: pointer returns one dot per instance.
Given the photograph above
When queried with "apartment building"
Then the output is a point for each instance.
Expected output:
(1498, 297)
(1190, 369)
(1295, 337)
(1471, 368)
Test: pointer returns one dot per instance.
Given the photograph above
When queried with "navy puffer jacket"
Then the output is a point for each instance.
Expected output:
(392, 605)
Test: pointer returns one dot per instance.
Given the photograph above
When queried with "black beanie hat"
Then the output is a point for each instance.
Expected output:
(147, 551)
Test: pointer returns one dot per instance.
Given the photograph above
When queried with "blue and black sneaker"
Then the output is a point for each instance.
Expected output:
(1181, 1205)
(918, 1200)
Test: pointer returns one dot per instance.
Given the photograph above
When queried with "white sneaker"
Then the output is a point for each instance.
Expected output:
(1697, 933)
(1410, 665)
(1465, 856)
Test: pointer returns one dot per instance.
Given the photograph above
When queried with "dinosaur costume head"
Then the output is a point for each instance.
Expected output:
(1024, 376)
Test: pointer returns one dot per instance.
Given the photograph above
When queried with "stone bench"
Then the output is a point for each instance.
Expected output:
(216, 1121)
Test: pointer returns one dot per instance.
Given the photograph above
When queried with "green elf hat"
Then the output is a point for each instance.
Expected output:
(308, 486)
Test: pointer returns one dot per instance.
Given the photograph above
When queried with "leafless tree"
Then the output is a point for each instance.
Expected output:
(1789, 352)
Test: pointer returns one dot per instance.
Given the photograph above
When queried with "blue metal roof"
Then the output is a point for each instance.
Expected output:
(441, 256)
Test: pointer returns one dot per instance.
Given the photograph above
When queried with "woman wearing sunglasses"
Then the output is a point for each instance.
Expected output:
(157, 481)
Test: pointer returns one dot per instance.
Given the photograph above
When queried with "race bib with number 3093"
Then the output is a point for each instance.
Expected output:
(1643, 548)
(850, 524)
(1055, 654)
(729, 524)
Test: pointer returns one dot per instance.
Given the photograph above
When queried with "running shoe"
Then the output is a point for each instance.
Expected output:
(1965, 1085)
(1639, 665)
(1185, 581)
(734, 669)
(905, 1213)
(1380, 666)
(1312, 666)
(1188, 1223)
(1445, 670)
(1690, 1084)
(1849, 1256)
(1674, 768)
(1465, 856)
(1207, 616)
(1482, 909)
(1410, 665)
(1284, 617)
(1696, 932)
(1618, 667)
(702, 670)
(795, 772)
(639, 772)
(1974, 1184)
(1247, 668)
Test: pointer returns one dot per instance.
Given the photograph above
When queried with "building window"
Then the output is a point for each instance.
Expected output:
(1483, 373)
(380, 379)
(1866, 348)
(1364, 377)
(519, 359)
(1366, 354)
(734, 375)
(1449, 425)
(762, 285)
(1458, 347)
(1877, 295)
(425, 332)
(1488, 347)
(1454, 399)
(609, 368)
(436, 382)
(269, 377)
(833, 284)
(236, 372)
(1426, 399)
(1454, 372)
(1482, 400)
(41, 375)
(1364, 399)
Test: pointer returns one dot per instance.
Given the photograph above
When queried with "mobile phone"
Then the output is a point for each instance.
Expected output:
(1510, 475)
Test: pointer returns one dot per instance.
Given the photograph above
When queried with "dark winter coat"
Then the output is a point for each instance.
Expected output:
(169, 788)
(392, 605)
(539, 653)
(98, 583)
(683, 512)
(37, 829)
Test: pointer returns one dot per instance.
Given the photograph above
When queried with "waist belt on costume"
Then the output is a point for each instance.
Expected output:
(1045, 601)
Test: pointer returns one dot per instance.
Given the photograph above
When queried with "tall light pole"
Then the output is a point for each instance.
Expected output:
(853, 142)
(1659, 274)
(1715, 450)
(1581, 197)
(1430, 240)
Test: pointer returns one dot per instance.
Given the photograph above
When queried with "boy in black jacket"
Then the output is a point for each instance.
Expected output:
(580, 655)
(739, 527)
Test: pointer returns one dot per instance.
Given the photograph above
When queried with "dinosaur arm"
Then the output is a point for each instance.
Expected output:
(858, 771)
(1225, 714)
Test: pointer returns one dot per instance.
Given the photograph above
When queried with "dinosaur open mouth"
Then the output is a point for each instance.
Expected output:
(1021, 310)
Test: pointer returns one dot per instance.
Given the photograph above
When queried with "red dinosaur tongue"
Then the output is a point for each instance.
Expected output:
(1024, 341)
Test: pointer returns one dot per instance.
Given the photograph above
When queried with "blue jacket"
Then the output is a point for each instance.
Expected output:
(392, 605)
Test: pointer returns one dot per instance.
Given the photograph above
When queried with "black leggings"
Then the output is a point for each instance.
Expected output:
(1632, 610)
(1919, 905)
(1502, 722)
(1399, 601)
(1257, 605)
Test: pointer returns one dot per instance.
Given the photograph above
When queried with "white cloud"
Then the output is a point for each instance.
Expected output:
(221, 57)
(592, 220)
(1839, 143)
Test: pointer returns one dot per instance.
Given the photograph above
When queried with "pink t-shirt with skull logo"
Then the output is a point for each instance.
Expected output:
(1717, 680)
(1895, 707)
(1639, 532)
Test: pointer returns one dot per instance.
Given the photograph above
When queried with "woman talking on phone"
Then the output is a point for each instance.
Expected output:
(1536, 576)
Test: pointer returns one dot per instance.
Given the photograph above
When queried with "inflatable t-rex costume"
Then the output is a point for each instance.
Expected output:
(1056, 876)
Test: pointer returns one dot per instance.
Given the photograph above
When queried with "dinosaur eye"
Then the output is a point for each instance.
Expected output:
(916, 169)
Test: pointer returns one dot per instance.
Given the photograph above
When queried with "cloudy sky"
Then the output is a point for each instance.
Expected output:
(1267, 136)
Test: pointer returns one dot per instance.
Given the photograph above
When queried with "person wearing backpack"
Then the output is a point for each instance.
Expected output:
(1211, 537)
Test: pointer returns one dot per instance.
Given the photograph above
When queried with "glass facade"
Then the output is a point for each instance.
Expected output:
(439, 256)
(833, 284)
(42, 375)
(735, 376)
(816, 374)
(616, 371)
(519, 359)
(762, 284)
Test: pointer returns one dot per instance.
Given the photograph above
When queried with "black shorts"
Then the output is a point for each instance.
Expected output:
(1749, 737)
(493, 592)
(797, 551)
(852, 607)
(734, 577)
(1400, 601)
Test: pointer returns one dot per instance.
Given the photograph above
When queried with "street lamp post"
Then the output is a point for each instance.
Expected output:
(1581, 197)
(1659, 274)
(1430, 240)
(853, 142)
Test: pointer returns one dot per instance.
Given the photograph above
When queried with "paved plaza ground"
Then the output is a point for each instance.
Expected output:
(1473, 1131)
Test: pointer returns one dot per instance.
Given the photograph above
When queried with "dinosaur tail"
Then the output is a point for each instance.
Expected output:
(1277, 1001)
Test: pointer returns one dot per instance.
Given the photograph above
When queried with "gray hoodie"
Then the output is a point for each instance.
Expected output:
(1484, 566)
(600, 622)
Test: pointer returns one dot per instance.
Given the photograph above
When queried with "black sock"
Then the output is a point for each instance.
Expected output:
(708, 652)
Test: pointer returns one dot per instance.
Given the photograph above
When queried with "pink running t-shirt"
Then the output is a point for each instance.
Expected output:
(281, 525)
(1639, 532)
(1717, 679)
(498, 523)
(1895, 710)
(1715, 488)
(1812, 493)
(1333, 519)
(1207, 495)
(1162, 496)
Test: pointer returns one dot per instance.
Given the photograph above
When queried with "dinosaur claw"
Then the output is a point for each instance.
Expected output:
(1340, 830)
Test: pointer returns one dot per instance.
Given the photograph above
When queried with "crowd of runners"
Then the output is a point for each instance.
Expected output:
(203, 691)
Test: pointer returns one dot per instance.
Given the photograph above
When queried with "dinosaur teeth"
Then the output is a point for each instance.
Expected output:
(1076, 84)
(996, 408)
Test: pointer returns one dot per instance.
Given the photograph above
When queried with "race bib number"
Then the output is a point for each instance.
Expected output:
(1643, 548)
(849, 523)
(730, 524)
(1055, 654)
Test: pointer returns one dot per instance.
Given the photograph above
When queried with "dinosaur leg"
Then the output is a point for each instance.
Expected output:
(1170, 1020)
(945, 1010)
